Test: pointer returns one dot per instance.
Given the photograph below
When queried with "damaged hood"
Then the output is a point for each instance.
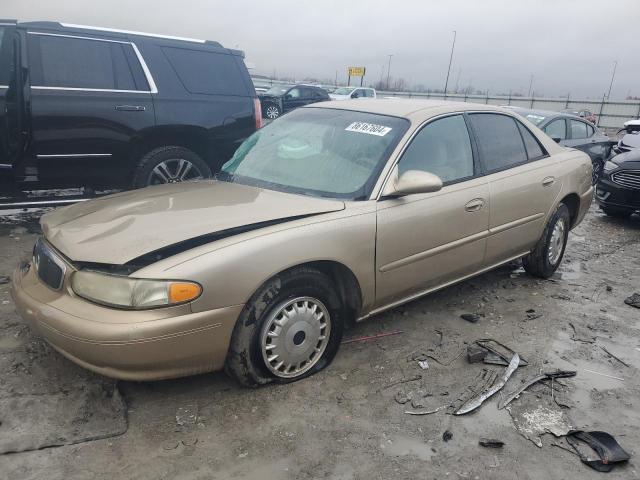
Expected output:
(119, 228)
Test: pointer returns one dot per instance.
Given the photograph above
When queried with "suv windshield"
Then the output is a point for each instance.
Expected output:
(277, 90)
(343, 91)
(317, 151)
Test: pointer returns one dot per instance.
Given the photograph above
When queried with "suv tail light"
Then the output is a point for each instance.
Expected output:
(257, 108)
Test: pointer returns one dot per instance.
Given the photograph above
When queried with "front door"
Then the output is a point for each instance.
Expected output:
(293, 99)
(9, 98)
(89, 98)
(427, 240)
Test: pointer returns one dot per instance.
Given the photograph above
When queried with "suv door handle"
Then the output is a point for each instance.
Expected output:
(130, 108)
(547, 182)
(474, 205)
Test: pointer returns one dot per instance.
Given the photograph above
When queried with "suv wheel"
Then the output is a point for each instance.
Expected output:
(290, 329)
(616, 213)
(169, 165)
(545, 258)
(272, 111)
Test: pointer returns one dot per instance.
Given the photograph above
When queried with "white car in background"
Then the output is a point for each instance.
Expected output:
(347, 93)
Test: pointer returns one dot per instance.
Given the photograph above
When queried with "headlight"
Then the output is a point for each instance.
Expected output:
(134, 293)
(608, 166)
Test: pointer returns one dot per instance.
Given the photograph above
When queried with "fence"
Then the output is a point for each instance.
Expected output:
(611, 115)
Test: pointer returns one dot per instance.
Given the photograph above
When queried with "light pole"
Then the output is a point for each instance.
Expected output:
(453, 45)
(389, 70)
(530, 85)
(613, 75)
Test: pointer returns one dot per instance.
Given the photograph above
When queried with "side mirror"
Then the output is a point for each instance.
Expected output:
(556, 139)
(288, 96)
(411, 181)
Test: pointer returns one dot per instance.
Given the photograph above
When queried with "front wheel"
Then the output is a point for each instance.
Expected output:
(545, 258)
(290, 329)
(272, 111)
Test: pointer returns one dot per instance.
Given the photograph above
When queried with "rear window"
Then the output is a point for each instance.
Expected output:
(499, 140)
(207, 73)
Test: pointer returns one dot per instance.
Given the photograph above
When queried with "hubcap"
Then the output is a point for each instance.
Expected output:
(557, 242)
(272, 112)
(174, 171)
(295, 336)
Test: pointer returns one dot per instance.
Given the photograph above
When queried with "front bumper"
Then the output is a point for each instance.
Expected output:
(610, 194)
(128, 345)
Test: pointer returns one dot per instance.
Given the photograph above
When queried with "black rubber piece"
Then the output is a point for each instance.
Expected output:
(537, 262)
(244, 360)
(161, 154)
(607, 448)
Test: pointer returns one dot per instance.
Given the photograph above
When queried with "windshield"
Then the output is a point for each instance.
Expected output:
(320, 152)
(343, 91)
(277, 90)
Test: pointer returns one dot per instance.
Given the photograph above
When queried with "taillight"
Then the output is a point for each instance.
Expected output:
(257, 108)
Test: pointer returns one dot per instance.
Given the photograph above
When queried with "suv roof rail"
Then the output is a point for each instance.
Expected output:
(4, 21)
(60, 25)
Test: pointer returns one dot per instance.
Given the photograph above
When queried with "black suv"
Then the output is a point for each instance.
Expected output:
(281, 99)
(89, 106)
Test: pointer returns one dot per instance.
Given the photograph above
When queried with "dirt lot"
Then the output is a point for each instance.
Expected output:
(349, 421)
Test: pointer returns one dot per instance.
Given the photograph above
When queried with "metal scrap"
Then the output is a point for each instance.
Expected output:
(545, 376)
(425, 412)
(614, 357)
(490, 443)
(371, 337)
(475, 402)
(491, 352)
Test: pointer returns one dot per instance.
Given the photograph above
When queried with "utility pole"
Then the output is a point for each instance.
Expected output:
(453, 45)
(458, 79)
(615, 65)
(389, 70)
(530, 85)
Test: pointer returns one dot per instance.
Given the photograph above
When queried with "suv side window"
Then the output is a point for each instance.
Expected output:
(590, 130)
(294, 93)
(206, 72)
(58, 61)
(557, 129)
(533, 147)
(578, 129)
(368, 93)
(499, 141)
(442, 147)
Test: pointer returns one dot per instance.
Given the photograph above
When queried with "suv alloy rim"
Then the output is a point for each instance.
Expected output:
(556, 242)
(295, 336)
(272, 112)
(174, 171)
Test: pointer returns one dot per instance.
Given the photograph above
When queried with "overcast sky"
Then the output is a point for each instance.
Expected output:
(569, 46)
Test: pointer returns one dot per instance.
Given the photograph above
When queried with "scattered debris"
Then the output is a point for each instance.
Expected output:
(404, 380)
(633, 300)
(559, 296)
(4, 279)
(366, 338)
(424, 365)
(425, 412)
(491, 352)
(401, 397)
(490, 443)
(533, 418)
(604, 349)
(447, 435)
(534, 380)
(532, 315)
(470, 317)
(609, 288)
(444, 352)
(581, 335)
(604, 375)
(483, 380)
(187, 415)
(474, 403)
(604, 445)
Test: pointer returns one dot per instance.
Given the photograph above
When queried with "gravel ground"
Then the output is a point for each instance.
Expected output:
(349, 421)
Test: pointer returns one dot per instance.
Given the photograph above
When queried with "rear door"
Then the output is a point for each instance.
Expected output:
(90, 97)
(9, 128)
(521, 181)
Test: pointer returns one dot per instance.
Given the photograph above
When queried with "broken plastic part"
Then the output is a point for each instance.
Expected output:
(607, 448)
(534, 380)
(491, 443)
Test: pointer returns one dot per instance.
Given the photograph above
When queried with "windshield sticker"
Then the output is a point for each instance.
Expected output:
(369, 128)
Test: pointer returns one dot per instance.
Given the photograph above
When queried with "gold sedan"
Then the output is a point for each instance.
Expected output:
(330, 214)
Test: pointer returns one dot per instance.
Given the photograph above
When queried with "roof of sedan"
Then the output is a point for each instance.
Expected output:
(405, 107)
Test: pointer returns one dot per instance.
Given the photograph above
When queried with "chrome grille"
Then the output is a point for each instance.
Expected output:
(49, 266)
(627, 178)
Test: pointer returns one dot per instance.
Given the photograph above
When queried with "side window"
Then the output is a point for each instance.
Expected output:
(206, 72)
(369, 93)
(499, 141)
(578, 129)
(531, 144)
(443, 148)
(557, 129)
(294, 93)
(590, 130)
(319, 94)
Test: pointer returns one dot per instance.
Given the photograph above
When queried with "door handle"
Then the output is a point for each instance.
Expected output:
(547, 182)
(474, 205)
(130, 108)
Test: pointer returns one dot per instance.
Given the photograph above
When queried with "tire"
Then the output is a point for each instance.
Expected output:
(249, 350)
(169, 165)
(272, 111)
(616, 213)
(547, 255)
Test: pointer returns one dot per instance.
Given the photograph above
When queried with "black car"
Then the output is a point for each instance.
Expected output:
(572, 131)
(89, 106)
(284, 98)
(618, 190)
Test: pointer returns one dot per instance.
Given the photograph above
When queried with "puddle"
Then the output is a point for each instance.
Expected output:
(403, 446)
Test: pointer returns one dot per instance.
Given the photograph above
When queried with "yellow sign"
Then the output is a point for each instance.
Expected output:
(357, 71)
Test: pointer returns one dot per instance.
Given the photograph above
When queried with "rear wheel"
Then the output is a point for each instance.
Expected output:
(616, 212)
(169, 165)
(545, 258)
(272, 111)
(290, 329)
